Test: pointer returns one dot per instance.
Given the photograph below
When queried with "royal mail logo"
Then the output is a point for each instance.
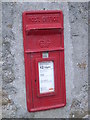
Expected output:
(44, 43)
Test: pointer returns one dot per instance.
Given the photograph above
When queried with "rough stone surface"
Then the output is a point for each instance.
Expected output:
(76, 60)
(45, 1)
(89, 59)
(0, 61)
(79, 34)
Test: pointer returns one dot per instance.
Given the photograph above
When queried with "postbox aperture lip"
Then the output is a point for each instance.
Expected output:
(37, 72)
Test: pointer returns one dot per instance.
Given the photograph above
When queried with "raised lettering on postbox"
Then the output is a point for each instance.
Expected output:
(44, 43)
(43, 19)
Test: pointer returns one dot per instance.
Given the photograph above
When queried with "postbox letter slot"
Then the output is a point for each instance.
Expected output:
(28, 28)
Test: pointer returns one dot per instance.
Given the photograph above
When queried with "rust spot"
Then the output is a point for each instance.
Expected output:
(82, 65)
(9, 25)
(5, 99)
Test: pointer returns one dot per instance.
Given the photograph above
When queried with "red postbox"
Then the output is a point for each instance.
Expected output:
(43, 34)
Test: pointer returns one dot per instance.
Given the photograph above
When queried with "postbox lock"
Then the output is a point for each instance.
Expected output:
(35, 81)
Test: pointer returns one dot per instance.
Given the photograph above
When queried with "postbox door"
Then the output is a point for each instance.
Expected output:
(48, 99)
(43, 39)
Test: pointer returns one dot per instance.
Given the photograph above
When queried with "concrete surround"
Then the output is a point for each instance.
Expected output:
(76, 60)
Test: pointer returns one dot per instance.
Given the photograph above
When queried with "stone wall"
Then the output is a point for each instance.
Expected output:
(76, 60)
(0, 62)
(78, 16)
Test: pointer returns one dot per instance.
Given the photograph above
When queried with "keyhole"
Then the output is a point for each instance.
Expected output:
(35, 81)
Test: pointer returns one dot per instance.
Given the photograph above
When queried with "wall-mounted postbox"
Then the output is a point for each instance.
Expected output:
(43, 34)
